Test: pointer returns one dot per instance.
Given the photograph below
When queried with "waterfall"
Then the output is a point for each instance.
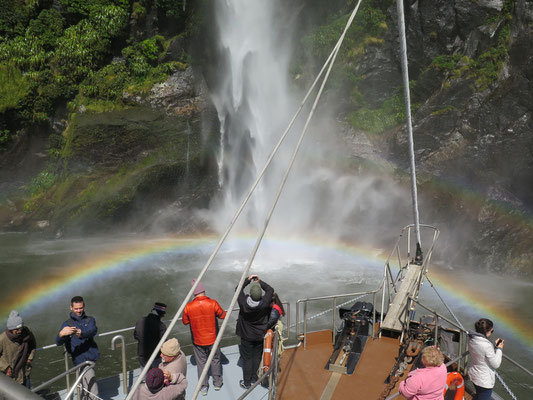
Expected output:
(255, 99)
(252, 99)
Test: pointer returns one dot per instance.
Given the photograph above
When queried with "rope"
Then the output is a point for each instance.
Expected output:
(505, 386)
(462, 327)
(232, 223)
(445, 305)
(273, 207)
(405, 74)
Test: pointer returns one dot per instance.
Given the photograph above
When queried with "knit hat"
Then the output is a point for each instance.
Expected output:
(255, 292)
(171, 348)
(155, 380)
(199, 289)
(14, 321)
(160, 307)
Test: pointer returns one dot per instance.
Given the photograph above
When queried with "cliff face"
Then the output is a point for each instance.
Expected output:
(471, 68)
(149, 162)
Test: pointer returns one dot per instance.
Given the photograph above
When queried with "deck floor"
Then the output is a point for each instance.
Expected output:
(303, 375)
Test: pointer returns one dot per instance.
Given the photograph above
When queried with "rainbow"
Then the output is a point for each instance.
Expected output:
(112, 261)
(131, 255)
(484, 306)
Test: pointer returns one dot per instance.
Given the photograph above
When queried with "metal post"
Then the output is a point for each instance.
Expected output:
(305, 325)
(436, 329)
(374, 315)
(333, 320)
(78, 379)
(297, 324)
(288, 320)
(124, 372)
(66, 369)
(461, 344)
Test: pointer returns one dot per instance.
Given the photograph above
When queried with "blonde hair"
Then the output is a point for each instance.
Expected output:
(432, 357)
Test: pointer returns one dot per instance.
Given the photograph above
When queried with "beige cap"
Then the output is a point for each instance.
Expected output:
(171, 348)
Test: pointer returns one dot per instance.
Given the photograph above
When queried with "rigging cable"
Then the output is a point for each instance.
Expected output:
(273, 207)
(445, 305)
(405, 75)
(462, 327)
(238, 212)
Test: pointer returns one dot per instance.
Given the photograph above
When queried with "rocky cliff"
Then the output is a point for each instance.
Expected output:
(149, 163)
(471, 68)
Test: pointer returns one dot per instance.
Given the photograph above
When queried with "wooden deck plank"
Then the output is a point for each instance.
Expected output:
(394, 319)
(303, 375)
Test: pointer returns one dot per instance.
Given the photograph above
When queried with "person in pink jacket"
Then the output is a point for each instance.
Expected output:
(426, 383)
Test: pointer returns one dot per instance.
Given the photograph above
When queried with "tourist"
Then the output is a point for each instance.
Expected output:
(77, 334)
(252, 325)
(17, 349)
(484, 359)
(148, 332)
(426, 383)
(173, 361)
(276, 311)
(154, 387)
(202, 313)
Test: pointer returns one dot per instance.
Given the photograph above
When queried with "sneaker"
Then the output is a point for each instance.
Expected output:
(217, 388)
(245, 387)
(203, 391)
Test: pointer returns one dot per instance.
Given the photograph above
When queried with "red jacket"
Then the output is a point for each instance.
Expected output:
(201, 313)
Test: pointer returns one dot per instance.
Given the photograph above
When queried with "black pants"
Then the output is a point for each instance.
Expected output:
(251, 354)
(143, 360)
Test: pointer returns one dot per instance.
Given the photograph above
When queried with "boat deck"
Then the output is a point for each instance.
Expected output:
(112, 388)
(303, 375)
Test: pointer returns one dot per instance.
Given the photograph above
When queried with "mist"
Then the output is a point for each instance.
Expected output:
(327, 194)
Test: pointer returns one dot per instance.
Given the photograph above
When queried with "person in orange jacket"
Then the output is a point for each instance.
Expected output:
(201, 314)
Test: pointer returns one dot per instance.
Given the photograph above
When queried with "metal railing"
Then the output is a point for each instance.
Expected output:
(303, 335)
(69, 370)
(77, 368)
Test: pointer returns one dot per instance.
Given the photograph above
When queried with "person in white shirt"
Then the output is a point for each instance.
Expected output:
(485, 358)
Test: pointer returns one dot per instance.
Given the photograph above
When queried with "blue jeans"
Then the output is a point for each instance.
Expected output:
(482, 393)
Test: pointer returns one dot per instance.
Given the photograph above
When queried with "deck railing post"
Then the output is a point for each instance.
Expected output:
(288, 320)
(305, 325)
(374, 315)
(66, 369)
(436, 329)
(124, 372)
(297, 323)
(333, 320)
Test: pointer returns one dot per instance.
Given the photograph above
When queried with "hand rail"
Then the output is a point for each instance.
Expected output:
(334, 298)
(67, 372)
(124, 372)
(61, 375)
(82, 374)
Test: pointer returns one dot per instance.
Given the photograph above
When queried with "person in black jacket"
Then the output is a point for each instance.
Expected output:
(148, 331)
(252, 325)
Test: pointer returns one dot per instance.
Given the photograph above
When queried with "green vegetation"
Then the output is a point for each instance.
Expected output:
(378, 120)
(367, 30)
(485, 69)
(13, 86)
(77, 51)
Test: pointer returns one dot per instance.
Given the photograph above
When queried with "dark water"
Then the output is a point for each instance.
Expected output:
(121, 277)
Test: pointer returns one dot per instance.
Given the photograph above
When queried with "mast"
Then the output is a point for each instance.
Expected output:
(407, 98)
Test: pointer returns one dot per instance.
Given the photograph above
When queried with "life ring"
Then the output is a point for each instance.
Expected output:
(267, 350)
(454, 381)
